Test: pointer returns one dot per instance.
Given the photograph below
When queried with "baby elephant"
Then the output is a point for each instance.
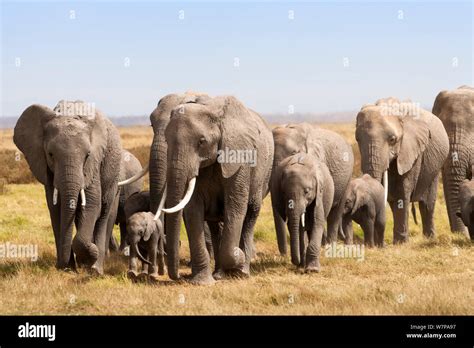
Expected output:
(365, 204)
(143, 233)
(466, 201)
(307, 189)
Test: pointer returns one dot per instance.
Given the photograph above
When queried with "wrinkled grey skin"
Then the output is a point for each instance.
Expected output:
(129, 167)
(413, 145)
(306, 186)
(456, 110)
(364, 202)
(227, 192)
(158, 164)
(466, 203)
(329, 148)
(146, 234)
(73, 153)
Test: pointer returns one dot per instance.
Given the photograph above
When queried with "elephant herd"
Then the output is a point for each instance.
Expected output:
(213, 161)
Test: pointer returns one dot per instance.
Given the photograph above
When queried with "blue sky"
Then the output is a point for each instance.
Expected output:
(404, 49)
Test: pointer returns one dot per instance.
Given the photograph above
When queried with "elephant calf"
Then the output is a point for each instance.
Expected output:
(144, 233)
(365, 204)
(308, 191)
(466, 203)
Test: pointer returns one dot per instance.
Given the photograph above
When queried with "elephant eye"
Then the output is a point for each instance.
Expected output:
(88, 154)
(392, 139)
(202, 141)
(50, 154)
(306, 190)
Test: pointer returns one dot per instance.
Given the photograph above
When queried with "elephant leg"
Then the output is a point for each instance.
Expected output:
(123, 236)
(454, 172)
(333, 222)
(152, 251)
(367, 225)
(400, 220)
(427, 207)
(379, 229)
(348, 229)
(102, 234)
(313, 251)
(161, 256)
(236, 196)
(83, 245)
(200, 260)
(133, 264)
(207, 235)
(246, 240)
(216, 229)
(280, 228)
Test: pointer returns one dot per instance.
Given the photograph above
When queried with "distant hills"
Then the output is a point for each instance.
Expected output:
(327, 117)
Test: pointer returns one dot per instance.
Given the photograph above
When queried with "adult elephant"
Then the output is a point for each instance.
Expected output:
(456, 110)
(328, 148)
(410, 145)
(219, 163)
(75, 152)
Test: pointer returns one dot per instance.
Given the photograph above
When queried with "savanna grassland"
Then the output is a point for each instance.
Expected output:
(421, 277)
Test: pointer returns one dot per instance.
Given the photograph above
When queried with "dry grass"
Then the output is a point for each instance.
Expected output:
(421, 277)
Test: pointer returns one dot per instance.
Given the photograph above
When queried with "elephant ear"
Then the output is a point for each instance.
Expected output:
(28, 137)
(150, 228)
(238, 129)
(359, 202)
(416, 135)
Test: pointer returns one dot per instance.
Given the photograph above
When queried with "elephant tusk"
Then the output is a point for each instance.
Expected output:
(135, 177)
(55, 196)
(302, 220)
(83, 198)
(185, 200)
(162, 204)
(385, 186)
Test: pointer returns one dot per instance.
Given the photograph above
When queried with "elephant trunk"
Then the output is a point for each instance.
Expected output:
(158, 168)
(177, 180)
(294, 220)
(452, 178)
(68, 213)
(71, 190)
(137, 252)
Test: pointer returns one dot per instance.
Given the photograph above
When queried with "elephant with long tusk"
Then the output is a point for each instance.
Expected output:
(74, 151)
(220, 157)
(404, 147)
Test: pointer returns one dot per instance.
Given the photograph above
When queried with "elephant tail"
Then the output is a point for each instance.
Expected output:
(413, 211)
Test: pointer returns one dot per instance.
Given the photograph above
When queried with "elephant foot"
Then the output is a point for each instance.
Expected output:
(162, 270)
(132, 275)
(239, 273)
(312, 267)
(202, 278)
(142, 277)
(153, 277)
(218, 274)
(97, 270)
